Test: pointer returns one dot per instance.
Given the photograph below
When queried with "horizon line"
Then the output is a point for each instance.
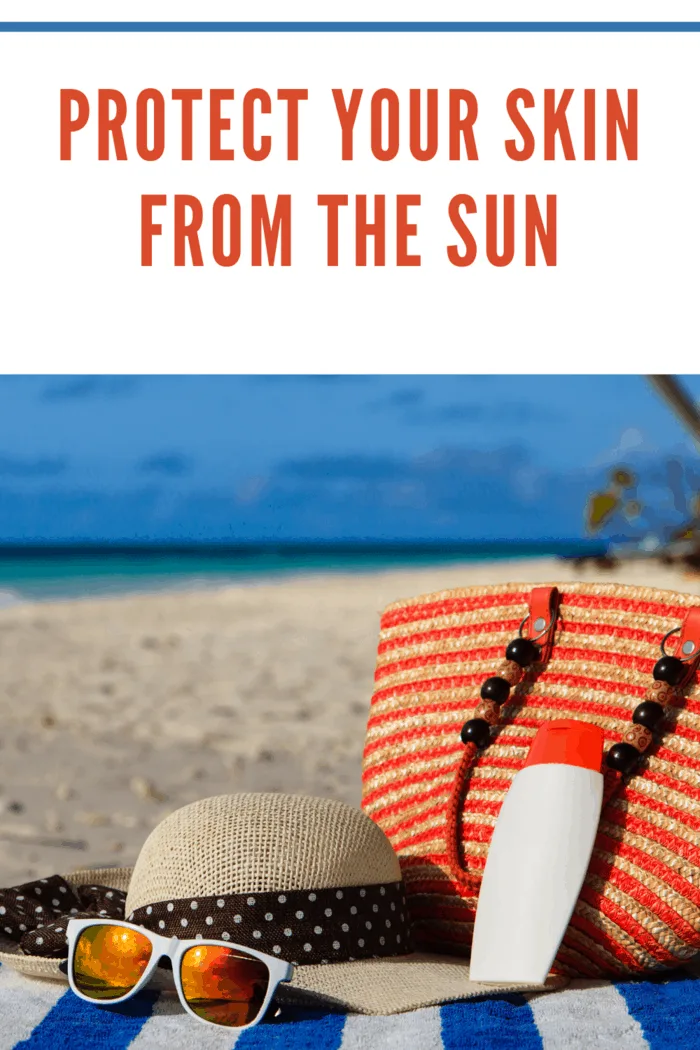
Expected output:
(300, 545)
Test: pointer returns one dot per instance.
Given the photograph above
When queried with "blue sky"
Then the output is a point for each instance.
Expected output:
(318, 458)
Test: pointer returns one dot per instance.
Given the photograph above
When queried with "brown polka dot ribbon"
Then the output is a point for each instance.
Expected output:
(35, 914)
(301, 926)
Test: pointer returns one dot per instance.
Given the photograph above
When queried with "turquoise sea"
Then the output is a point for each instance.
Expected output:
(44, 573)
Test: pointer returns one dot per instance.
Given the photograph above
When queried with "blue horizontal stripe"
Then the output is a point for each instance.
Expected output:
(505, 1021)
(295, 1029)
(350, 27)
(668, 1011)
(73, 1024)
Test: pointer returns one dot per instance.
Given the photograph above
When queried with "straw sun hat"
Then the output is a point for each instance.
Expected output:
(311, 880)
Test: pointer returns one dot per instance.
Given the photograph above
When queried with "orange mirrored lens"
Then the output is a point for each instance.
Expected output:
(224, 985)
(109, 961)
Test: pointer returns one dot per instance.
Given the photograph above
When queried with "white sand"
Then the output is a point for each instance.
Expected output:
(116, 711)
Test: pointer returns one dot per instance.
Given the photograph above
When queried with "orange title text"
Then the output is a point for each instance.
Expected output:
(221, 125)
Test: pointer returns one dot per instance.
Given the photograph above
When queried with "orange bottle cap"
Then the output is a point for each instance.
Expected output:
(569, 742)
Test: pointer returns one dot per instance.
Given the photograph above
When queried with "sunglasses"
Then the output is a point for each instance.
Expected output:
(218, 982)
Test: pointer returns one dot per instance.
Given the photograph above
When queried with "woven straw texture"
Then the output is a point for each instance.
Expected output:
(639, 909)
(259, 842)
(264, 842)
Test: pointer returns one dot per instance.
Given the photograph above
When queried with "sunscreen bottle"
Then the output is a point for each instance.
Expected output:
(539, 854)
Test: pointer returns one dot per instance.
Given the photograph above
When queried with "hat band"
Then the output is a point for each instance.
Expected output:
(305, 927)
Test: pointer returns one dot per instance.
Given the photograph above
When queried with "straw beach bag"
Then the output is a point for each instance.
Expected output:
(600, 658)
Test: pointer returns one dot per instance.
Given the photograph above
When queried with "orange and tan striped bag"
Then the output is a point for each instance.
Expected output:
(639, 909)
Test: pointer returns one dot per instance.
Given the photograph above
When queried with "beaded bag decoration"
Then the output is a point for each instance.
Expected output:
(451, 722)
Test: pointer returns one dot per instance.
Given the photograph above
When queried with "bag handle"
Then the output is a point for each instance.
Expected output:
(539, 628)
(621, 759)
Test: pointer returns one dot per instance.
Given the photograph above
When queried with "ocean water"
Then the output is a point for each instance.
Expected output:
(38, 573)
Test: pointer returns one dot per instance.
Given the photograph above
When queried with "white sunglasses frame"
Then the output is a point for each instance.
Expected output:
(174, 948)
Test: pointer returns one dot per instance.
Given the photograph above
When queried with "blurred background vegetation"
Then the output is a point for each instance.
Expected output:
(654, 512)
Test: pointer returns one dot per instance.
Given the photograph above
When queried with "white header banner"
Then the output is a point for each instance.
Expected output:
(348, 201)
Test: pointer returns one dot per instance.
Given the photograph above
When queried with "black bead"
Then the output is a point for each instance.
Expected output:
(476, 731)
(523, 652)
(496, 689)
(648, 714)
(622, 757)
(669, 669)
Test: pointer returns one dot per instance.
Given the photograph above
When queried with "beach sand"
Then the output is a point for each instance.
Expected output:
(116, 711)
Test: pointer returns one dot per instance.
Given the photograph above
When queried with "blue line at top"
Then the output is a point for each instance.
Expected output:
(349, 27)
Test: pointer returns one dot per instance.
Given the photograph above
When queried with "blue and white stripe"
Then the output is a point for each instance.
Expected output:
(589, 1015)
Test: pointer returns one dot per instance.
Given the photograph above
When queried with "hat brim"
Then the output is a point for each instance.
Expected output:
(394, 985)
(373, 986)
(369, 986)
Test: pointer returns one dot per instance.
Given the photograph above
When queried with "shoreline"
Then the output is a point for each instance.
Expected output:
(118, 709)
(487, 570)
(78, 573)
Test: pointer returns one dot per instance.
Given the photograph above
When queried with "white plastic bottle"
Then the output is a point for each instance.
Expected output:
(539, 854)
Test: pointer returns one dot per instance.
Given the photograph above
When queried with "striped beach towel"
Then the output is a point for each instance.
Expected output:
(661, 1015)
